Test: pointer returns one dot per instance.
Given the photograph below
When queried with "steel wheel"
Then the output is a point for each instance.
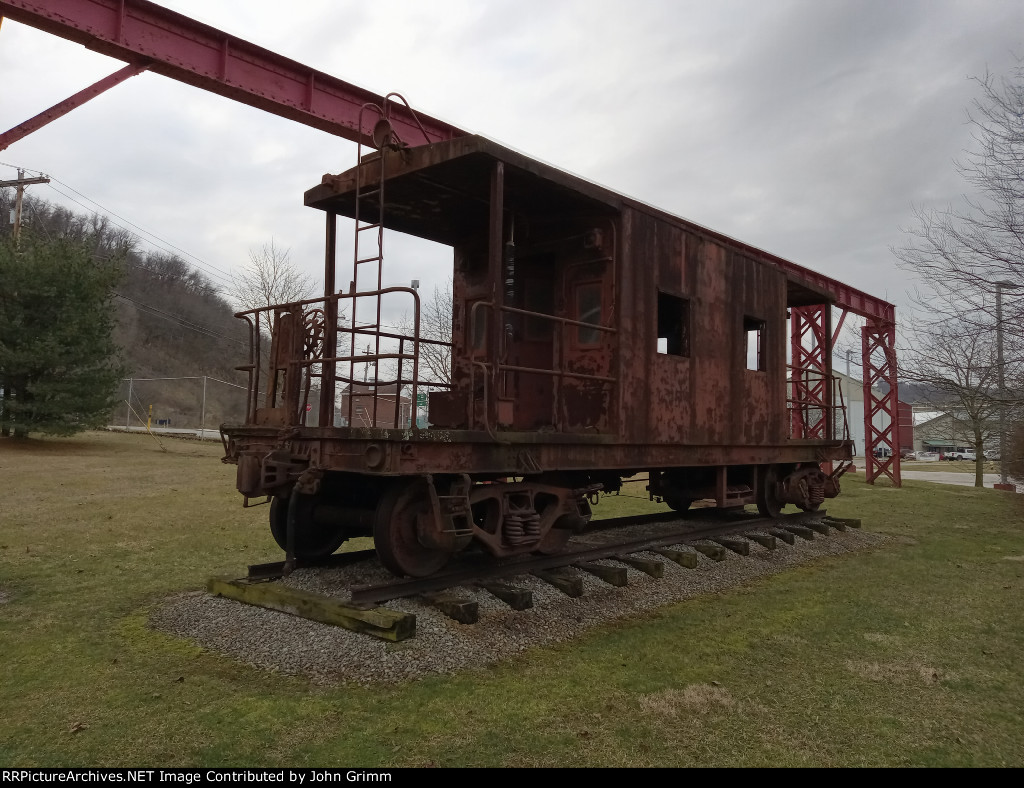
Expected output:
(768, 503)
(395, 531)
(677, 503)
(313, 539)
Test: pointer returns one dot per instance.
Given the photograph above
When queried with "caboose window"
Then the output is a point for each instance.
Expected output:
(588, 310)
(673, 325)
(478, 319)
(754, 331)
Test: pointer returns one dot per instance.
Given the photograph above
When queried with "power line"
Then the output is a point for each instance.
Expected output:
(167, 245)
(198, 327)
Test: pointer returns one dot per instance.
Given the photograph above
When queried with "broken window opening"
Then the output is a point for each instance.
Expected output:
(673, 325)
(754, 332)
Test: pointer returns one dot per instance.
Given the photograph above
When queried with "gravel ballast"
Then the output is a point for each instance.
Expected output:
(326, 654)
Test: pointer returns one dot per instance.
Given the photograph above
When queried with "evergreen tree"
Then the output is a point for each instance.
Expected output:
(59, 367)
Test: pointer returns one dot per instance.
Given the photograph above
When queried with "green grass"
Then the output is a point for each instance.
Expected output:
(905, 655)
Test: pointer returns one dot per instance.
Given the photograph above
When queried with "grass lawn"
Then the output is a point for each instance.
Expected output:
(906, 655)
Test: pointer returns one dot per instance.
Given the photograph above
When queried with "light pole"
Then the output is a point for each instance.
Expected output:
(1000, 286)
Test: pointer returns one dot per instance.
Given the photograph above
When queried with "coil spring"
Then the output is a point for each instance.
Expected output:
(816, 493)
(521, 526)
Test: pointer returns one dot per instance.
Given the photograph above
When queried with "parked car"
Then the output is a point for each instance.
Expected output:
(961, 454)
(992, 454)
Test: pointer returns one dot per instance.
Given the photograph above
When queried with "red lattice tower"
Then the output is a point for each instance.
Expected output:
(811, 390)
(878, 343)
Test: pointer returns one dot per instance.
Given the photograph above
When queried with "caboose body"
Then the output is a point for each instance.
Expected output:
(592, 338)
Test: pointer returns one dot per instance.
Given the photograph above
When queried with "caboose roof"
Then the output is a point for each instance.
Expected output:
(441, 192)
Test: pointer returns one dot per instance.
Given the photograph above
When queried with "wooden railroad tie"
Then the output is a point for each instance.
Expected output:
(738, 546)
(513, 596)
(569, 584)
(783, 534)
(613, 575)
(646, 565)
(802, 531)
(843, 522)
(766, 541)
(820, 528)
(380, 622)
(684, 558)
(713, 551)
(465, 611)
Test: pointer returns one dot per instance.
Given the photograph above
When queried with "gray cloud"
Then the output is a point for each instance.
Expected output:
(807, 127)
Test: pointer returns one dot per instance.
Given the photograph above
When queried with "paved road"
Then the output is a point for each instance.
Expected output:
(206, 435)
(953, 477)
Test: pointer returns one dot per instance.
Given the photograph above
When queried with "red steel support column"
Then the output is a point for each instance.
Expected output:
(810, 337)
(878, 342)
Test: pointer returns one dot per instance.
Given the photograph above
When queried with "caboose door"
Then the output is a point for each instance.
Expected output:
(585, 388)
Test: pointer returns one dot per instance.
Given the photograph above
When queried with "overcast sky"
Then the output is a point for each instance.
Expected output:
(809, 128)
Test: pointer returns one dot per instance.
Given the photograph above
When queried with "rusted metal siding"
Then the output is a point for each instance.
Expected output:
(707, 396)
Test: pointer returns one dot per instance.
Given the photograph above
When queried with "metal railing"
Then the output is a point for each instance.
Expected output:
(495, 369)
(811, 403)
(300, 354)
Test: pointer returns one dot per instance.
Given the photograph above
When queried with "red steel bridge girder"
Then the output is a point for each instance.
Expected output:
(146, 34)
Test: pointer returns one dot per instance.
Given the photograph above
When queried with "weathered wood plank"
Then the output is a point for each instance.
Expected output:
(820, 528)
(380, 622)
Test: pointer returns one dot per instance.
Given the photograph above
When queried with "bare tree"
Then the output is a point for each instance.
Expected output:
(964, 254)
(436, 325)
(963, 251)
(270, 278)
(955, 360)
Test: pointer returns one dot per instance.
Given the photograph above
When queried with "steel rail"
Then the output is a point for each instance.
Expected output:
(373, 594)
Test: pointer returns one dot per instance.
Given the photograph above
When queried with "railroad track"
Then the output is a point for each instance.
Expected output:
(361, 611)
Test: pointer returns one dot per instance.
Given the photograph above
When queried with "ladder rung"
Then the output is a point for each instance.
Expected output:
(370, 259)
(373, 226)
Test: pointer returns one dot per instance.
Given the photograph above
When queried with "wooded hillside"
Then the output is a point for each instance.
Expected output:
(172, 322)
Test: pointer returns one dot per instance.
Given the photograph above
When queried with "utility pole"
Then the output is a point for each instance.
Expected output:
(1000, 287)
(21, 183)
(202, 418)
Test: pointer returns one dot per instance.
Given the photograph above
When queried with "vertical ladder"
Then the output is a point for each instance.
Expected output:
(368, 262)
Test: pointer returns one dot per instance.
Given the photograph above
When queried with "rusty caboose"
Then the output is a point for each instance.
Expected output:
(592, 338)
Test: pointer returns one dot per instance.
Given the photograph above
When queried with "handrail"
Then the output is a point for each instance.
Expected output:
(557, 372)
(817, 397)
(315, 363)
